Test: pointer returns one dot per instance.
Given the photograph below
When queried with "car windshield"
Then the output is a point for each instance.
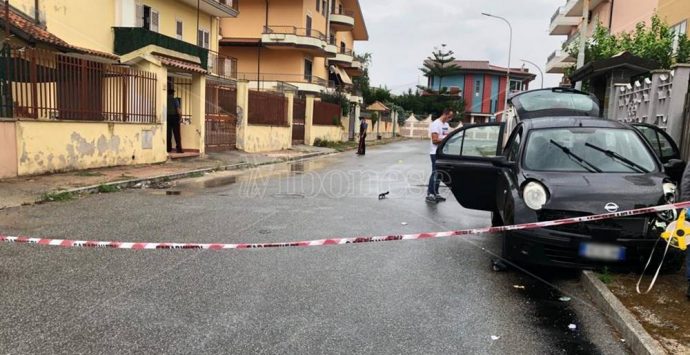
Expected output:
(595, 150)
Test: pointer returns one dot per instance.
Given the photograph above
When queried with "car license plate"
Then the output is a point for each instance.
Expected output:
(602, 252)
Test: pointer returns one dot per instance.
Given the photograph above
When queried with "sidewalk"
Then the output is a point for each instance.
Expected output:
(28, 190)
(664, 312)
(31, 189)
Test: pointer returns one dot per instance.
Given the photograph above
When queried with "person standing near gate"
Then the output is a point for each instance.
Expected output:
(363, 126)
(438, 129)
(174, 116)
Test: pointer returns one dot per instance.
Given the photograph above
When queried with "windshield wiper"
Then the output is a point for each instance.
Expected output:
(583, 163)
(611, 154)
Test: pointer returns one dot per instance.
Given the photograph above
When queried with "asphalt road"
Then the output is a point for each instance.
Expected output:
(432, 296)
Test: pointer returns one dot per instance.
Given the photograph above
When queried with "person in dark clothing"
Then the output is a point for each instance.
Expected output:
(685, 196)
(362, 149)
(174, 116)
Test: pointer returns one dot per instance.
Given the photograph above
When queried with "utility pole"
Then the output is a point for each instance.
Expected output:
(510, 50)
(584, 27)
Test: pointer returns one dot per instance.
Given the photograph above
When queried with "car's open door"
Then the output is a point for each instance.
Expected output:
(469, 161)
(665, 148)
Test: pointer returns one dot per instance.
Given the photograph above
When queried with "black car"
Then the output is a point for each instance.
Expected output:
(559, 160)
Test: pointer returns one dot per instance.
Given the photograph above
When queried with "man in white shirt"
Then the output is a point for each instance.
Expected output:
(438, 129)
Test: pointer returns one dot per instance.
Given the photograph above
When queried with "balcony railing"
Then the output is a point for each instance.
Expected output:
(571, 39)
(130, 39)
(346, 51)
(289, 78)
(345, 12)
(233, 4)
(555, 15)
(222, 66)
(297, 31)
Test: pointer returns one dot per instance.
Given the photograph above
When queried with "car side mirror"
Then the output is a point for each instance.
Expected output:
(674, 164)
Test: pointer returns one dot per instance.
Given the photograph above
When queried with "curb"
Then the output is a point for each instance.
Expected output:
(123, 184)
(637, 338)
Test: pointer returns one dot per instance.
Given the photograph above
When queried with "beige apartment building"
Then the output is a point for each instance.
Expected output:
(617, 15)
(306, 44)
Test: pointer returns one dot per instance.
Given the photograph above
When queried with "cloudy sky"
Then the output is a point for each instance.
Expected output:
(404, 32)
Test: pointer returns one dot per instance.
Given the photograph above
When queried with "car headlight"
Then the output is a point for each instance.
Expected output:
(535, 196)
(670, 191)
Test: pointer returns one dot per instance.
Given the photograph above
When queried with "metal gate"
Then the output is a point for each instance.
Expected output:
(221, 117)
(299, 112)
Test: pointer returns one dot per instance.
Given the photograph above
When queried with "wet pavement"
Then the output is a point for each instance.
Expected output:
(432, 296)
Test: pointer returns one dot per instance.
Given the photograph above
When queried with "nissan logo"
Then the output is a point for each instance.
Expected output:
(611, 207)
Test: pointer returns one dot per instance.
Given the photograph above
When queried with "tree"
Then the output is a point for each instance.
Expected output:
(440, 64)
(431, 104)
(655, 42)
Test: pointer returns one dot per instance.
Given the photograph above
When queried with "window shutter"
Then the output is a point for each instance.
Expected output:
(140, 15)
(155, 20)
(179, 30)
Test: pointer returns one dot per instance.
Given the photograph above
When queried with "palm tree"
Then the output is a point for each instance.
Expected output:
(441, 64)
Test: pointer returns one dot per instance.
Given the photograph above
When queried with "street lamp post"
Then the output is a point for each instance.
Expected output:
(510, 50)
(538, 68)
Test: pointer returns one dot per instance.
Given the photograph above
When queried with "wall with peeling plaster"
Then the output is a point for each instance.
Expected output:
(329, 133)
(8, 149)
(50, 146)
(266, 138)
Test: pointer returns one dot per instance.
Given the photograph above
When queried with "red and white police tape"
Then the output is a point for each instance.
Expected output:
(334, 241)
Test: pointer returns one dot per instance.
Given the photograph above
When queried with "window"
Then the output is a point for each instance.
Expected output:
(178, 29)
(661, 145)
(148, 18)
(204, 39)
(560, 149)
(513, 148)
(318, 5)
(324, 7)
(308, 65)
(515, 85)
(478, 141)
(308, 26)
(680, 29)
(477, 87)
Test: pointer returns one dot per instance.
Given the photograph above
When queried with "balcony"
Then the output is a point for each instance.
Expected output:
(562, 25)
(574, 7)
(218, 8)
(343, 56)
(130, 39)
(355, 69)
(558, 62)
(310, 40)
(304, 83)
(222, 66)
(343, 20)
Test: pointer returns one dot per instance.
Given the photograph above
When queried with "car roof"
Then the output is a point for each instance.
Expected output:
(566, 122)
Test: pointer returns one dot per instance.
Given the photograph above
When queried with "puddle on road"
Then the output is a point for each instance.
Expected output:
(554, 316)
